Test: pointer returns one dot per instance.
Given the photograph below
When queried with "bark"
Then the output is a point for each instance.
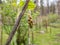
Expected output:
(42, 7)
(17, 23)
(48, 6)
(52, 8)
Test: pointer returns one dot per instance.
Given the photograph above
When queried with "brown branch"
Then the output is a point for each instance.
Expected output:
(17, 23)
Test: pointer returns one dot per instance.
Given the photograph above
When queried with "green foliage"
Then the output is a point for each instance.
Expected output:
(34, 15)
(9, 13)
(52, 17)
(14, 4)
(31, 5)
(21, 3)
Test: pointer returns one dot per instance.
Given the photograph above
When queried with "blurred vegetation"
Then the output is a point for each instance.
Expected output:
(10, 12)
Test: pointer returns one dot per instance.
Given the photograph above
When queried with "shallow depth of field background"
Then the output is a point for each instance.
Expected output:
(46, 22)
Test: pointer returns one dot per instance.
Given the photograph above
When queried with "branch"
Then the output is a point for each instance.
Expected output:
(17, 23)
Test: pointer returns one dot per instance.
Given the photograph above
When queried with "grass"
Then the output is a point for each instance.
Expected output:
(47, 38)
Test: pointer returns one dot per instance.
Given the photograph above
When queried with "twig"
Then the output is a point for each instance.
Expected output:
(17, 23)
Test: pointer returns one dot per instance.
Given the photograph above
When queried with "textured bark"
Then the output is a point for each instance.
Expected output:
(17, 23)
